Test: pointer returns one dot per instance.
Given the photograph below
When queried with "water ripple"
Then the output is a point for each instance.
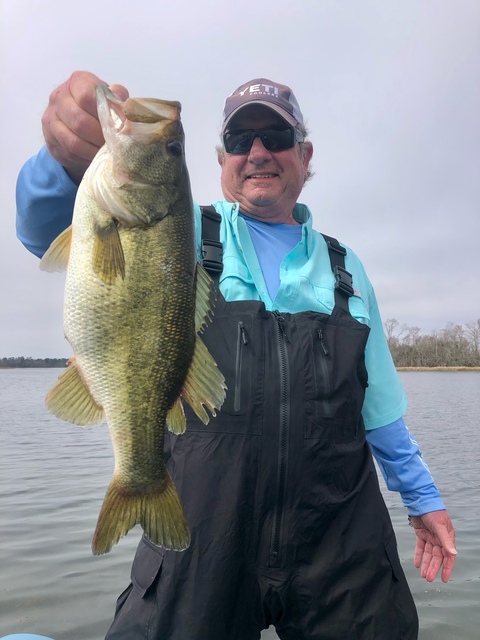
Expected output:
(53, 477)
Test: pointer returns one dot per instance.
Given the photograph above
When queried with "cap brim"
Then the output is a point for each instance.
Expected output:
(278, 110)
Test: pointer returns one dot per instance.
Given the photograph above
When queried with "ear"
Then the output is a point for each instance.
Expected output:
(220, 157)
(307, 155)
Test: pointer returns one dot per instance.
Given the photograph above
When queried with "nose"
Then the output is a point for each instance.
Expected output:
(258, 153)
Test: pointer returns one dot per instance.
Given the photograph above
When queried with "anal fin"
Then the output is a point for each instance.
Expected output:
(176, 420)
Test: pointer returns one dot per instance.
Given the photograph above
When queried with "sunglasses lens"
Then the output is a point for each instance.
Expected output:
(277, 139)
(238, 141)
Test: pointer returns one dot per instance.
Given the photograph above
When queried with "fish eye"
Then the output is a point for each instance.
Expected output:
(175, 148)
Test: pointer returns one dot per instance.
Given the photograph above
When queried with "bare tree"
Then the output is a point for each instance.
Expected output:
(454, 346)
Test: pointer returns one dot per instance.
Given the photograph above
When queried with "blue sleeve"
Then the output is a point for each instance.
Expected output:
(45, 198)
(403, 467)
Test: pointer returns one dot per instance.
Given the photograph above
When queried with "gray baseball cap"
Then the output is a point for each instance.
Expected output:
(277, 97)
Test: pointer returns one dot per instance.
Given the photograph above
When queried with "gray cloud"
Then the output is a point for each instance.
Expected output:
(392, 98)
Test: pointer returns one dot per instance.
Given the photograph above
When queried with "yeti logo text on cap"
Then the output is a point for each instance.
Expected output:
(276, 96)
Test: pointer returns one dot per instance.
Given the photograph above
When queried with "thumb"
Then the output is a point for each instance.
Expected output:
(446, 541)
(120, 91)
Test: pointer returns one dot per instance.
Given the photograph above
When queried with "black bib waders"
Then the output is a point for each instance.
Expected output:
(289, 527)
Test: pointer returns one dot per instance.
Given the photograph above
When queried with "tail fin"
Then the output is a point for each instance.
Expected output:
(159, 512)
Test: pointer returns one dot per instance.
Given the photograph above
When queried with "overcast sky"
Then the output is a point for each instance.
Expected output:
(390, 90)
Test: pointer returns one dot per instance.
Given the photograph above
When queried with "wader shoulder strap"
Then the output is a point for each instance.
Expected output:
(212, 250)
(344, 283)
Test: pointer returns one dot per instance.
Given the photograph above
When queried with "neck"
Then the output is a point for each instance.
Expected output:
(272, 219)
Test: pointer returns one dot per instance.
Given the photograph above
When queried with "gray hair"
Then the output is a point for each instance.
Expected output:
(303, 149)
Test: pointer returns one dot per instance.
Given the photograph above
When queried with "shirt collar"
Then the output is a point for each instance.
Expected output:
(301, 214)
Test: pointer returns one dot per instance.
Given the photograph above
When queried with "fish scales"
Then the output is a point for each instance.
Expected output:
(112, 351)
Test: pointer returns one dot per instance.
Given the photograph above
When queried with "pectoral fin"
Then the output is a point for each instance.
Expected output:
(57, 255)
(204, 387)
(69, 399)
(108, 258)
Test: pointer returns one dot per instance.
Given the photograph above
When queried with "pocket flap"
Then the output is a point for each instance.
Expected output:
(146, 565)
(393, 558)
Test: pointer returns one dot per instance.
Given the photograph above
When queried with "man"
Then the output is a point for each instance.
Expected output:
(288, 524)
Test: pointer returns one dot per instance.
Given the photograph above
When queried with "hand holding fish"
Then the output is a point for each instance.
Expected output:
(72, 131)
(435, 546)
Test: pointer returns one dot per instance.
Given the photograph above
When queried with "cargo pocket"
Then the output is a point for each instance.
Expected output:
(136, 606)
(122, 598)
(147, 566)
(394, 560)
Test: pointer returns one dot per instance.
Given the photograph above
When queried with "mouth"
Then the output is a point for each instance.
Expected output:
(262, 176)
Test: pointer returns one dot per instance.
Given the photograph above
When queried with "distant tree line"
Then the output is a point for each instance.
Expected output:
(455, 346)
(31, 363)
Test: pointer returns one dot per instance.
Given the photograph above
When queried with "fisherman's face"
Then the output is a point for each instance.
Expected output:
(265, 183)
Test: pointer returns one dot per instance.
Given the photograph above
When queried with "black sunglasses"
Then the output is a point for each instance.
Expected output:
(273, 139)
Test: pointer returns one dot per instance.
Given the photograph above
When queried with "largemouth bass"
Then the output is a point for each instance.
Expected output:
(135, 303)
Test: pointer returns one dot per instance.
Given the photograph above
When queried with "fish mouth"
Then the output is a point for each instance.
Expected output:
(150, 110)
(142, 119)
(150, 132)
(146, 110)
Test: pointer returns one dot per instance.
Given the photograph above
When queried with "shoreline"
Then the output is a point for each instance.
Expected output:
(397, 368)
(438, 368)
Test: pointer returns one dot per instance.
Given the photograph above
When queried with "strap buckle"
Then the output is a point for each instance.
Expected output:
(335, 246)
(344, 280)
(212, 255)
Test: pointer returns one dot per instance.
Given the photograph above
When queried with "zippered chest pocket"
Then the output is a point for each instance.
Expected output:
(337, 380)
(231, 342)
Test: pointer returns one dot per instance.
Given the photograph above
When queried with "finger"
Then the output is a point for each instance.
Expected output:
(82, 119)
(424, 569)
(419, 548)
(440, 526)
(448, 564)
(67, 147)
(434, 565)
(447, 540)
(83, 89)
(84, 126)
(69, 106)
(426, 560)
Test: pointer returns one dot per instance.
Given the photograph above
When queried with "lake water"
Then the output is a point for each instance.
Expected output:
(53, 476)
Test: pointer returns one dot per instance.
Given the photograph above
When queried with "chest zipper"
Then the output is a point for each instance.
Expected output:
(325, 374)
(284, 424)
(242, 341)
